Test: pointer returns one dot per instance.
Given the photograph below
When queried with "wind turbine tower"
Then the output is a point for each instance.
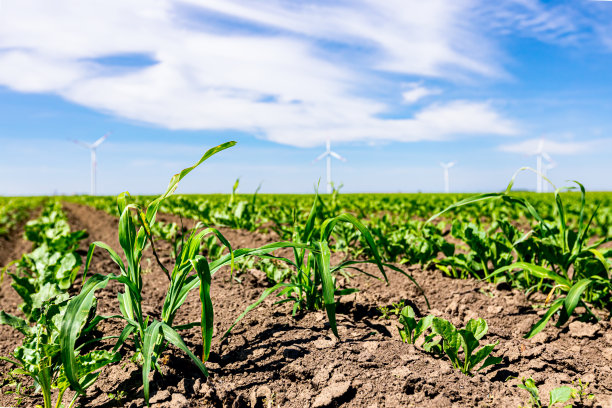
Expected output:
(92, 148)
(447, 166)
(328, 154)
(540, 169)
(548, 166)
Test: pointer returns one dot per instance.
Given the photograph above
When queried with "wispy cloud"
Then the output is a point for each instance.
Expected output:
(532, 146)
(567, 23)
(294, 73)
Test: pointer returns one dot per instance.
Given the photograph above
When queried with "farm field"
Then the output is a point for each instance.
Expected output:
(517, 284)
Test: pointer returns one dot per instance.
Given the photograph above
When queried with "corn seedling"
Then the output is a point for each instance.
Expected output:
(149, 336)
(313, 286)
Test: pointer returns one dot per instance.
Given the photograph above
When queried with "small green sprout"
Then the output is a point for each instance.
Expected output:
(412, 329)
(395, 309)
(559, 395)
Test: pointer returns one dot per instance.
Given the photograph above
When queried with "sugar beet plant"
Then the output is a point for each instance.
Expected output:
(444, 339)
(42, 279)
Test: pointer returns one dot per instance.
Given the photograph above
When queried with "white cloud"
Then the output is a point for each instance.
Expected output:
(283, 86)
(415, 92)
(532, 146)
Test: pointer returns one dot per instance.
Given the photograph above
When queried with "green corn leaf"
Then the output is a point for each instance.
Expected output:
(74, 319)
(536, 270)
(572, 299)
(201, 266)
(309, 227)
(252, 306)
(125, 333)
(329, 224)
(108, 249)
(154, 205)
(173, 337)
(536, 328)
(151, 336)
(464, 202)
(127, 236)
(327, 282)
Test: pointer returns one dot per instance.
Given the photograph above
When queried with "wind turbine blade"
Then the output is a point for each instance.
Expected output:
(321, 156)
(99, 141)
(86, 145)
(547, 157)
(451, 164)
(337, 156)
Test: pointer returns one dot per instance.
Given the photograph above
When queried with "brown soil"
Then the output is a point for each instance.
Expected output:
(275, 360)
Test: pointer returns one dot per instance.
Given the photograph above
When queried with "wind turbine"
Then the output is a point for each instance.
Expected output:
(329, 154)
(92, 148)
(541, 154)
(548, 166)
(447, 166)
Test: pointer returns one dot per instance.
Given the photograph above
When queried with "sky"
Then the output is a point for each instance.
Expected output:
(397, 86)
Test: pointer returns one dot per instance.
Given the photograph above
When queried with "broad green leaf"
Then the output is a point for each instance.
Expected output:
(15, 322)
(561, 395)
(478, 327)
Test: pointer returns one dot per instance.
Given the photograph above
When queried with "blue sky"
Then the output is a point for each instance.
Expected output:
(397, 86)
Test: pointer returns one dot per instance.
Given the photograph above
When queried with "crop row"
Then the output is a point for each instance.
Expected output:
(14, 211)
(553, 245)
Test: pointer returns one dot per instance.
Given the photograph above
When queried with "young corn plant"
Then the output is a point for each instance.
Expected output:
(563, 261)
(313, 286)
(447, 340)
(150, 337)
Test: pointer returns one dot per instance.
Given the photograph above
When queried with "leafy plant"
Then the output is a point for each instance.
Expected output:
(412, 329)
(559, 395)
(394, 309)
(38, 356)
(562, 260)
(454, 340)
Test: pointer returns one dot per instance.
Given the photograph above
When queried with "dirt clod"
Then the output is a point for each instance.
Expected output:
(583, 330)
(331, 394)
